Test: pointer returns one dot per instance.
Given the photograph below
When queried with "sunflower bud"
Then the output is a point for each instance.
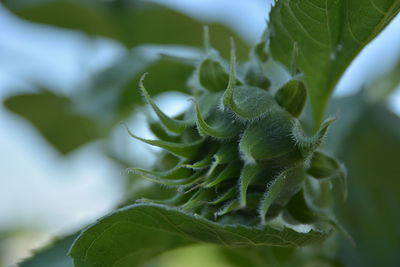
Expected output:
(240, 153)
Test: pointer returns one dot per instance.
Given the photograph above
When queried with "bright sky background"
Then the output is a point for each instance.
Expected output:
(36, 184)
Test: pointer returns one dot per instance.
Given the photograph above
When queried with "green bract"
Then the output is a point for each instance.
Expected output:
(241, 153)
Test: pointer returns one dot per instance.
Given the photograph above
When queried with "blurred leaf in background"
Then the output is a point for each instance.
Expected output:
(130, 22)
(114, 92)
(371, 152)
(367, 138)
(56, 120)
(54, 254)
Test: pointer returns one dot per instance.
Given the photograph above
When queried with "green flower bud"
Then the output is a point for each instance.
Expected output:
(292, 96)
(212, 75)
(240, 154)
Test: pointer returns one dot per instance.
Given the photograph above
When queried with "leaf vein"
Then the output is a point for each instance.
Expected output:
(304, 29)
(377, 8)
(310, 17)
(315, 5)
(349, 24)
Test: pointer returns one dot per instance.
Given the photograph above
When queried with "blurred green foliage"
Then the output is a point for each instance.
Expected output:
(55, 118)
(114, 92)
(130, 22)
(54, 254)
(371, 152)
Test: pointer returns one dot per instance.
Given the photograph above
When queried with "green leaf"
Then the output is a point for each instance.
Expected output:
(328, 34)
(123, 21)
(54, 254)
(88, 16)
(61, 120)
(201, 255)
(56, 120)
(137, 233)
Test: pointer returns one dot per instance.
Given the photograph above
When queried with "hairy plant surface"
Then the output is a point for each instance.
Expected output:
(244, 171)
(240, 154)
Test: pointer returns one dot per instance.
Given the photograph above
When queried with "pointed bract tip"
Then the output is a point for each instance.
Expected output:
(142, 78)
(228, 94)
